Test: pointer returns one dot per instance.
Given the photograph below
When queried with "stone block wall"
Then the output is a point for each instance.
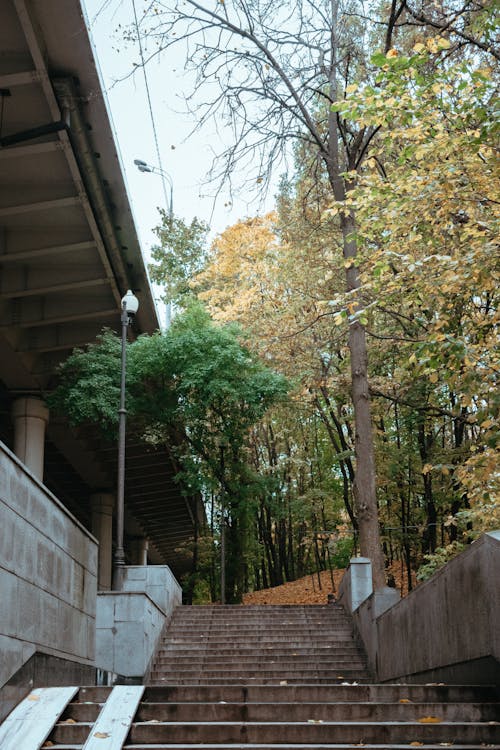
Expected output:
(129, 626)
(157, 581)
(130, 622)
(48, 574)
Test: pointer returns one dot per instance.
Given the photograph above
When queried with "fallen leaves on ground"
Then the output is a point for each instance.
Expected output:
(430, 720)
(307, 590)
(302, 591)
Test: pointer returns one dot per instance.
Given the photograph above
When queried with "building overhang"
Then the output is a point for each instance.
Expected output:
(68, 247)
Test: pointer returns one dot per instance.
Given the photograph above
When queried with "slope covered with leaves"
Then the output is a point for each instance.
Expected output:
(315, 588)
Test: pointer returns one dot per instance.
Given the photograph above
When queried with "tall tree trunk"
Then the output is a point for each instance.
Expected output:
(364, 481)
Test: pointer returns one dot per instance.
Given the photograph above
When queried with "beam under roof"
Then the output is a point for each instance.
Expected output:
(40, 252)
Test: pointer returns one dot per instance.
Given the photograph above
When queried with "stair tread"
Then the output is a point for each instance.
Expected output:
(312, 722)
(287, 746)
(315, 703)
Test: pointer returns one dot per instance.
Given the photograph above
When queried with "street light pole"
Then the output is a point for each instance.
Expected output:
(130, 305)
(143, 166)
(222, 528)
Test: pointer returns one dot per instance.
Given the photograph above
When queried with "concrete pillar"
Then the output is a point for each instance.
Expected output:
(102, 528)
(30, 417)
(361, 580)
(139, 548)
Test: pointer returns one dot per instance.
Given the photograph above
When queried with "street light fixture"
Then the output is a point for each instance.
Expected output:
(143, 166)
(130, 305)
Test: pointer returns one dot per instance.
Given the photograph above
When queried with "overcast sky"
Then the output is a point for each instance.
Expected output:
(186, 160)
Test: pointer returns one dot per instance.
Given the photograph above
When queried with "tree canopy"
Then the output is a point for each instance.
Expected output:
(426, 205)
(198, 390)
(382, 243)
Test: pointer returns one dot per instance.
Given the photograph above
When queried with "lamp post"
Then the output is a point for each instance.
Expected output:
(130, 305)
(143, 166)
(222, 527)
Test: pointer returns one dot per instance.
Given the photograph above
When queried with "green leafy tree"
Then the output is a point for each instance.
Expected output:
(179, 256)
(89, 385)
(196, 389)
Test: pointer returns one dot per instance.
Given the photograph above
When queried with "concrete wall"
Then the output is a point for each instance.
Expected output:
(130, 622)
(157, 581)
(129, 626)
(356, 596)
(447, 629)
(48, 574)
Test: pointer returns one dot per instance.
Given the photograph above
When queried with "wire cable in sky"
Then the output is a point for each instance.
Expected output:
(146, 84)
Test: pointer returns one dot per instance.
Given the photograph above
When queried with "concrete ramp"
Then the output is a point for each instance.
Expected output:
(31, 722)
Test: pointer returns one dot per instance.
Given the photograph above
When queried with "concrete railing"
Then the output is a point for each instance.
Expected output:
(130, 622)
(48, 583)
(447, 629)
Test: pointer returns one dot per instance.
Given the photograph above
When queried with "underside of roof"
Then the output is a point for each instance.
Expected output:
(68, 253)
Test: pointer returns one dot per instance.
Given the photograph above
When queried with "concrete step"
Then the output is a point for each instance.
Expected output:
(254, 635)
(316, 693)
(336, 617)
(256, 667)
(254, 644)
(158, 681)
(280, 733)
(285, 659)
(200, 650)
(281, 680)
(249, 609)
(265, 712)
(198, 622)
(226, 655)
(248, 614)
(257, 619)
(309, 646)
(291, 641)
(308, 732)
(290, 712)
(274, 670)
(232, 650)
(317, 614)
(343, 672)
(289, 746)
(261, 623)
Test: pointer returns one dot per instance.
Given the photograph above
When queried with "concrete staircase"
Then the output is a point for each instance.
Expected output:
(259, 644)
(269, 678)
